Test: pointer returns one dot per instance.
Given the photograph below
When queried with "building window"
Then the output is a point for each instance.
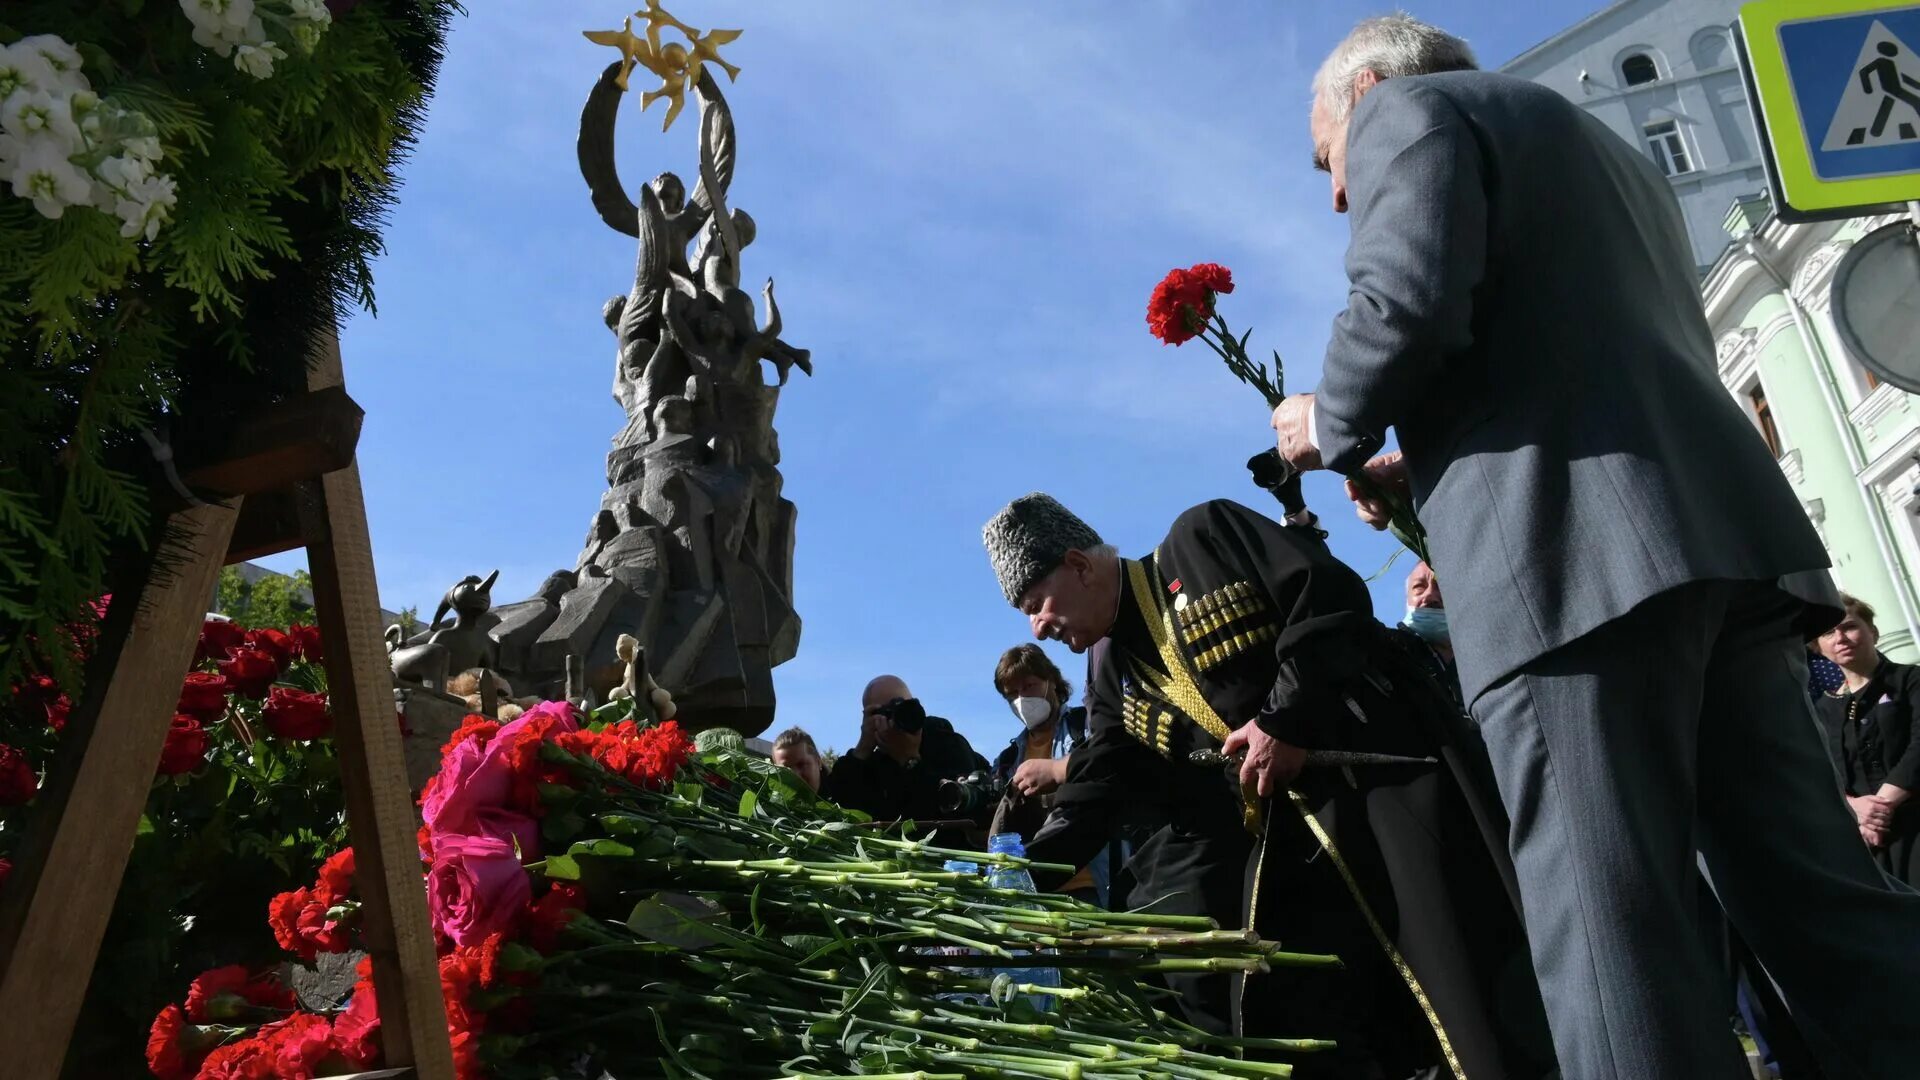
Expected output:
(1763, 415)
(1638, 69)
(1669, 150)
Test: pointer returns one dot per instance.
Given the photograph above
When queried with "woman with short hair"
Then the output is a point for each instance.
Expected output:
(1870, 728)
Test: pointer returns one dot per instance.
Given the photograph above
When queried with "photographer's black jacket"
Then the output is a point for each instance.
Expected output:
(1239, 619)
(890, 791)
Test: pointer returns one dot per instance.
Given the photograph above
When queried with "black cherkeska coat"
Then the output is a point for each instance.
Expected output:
(1871, 738)
(1400, 871)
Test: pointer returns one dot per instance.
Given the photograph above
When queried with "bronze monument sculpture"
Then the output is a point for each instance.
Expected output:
(690, 553)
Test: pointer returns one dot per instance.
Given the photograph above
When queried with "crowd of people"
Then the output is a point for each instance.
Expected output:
(1643, 765)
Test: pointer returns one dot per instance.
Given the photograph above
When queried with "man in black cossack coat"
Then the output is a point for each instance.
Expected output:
(1238, 623)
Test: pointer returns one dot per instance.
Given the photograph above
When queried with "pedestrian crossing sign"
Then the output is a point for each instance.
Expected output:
(1836, 87)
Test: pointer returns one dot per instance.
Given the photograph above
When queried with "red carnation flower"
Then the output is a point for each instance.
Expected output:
(1183, 301)
(168, 1056)
(335, 880)
(250, 671)
(218, 637)
(302, 926)
(57, 711)
(251, 1058)
(221, 994)
(186, 747)
(306, 640)
(296, 714)
(356, 1031)
(475, 727)
(203, 695)
(548, 916)
(18, 782)
(301, 1042)
(274, 643)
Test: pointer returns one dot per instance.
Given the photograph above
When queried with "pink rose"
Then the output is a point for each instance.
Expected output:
(476, 887)
(476, 782)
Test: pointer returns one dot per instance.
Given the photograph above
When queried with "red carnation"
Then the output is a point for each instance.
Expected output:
(549, 915)
(306, 639)
(1183, 301)
(301, 1042)
(186, 747)
(168, 1055)
(274, 643)
(203, 695)
(302, 926)
(221, 994)
(218, 637)
(335, 880)
(475, 727)
(35, 690)
(296, 714)
(251, 1058)
(356, 1031)
(18, 782)
(57, 712)
(250, 671)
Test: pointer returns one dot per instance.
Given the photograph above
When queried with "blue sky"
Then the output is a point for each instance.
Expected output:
(965, 207)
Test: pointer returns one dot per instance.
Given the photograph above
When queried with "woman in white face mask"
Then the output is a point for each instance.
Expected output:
(1034, 763)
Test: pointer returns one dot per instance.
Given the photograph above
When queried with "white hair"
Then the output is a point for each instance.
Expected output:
(1390, 46)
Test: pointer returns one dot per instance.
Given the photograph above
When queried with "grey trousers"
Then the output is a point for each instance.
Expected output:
(1685, 726)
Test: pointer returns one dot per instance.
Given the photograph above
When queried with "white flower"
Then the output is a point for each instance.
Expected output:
(123, 173)
(37, 112)
(149, 205)
(219, 25)
(312, 11)
(144, 147)
(257, 60)
(24, 69)
(44, 175)
(60, 57)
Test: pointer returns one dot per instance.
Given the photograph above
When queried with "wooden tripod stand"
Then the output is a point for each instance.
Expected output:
(294, 482)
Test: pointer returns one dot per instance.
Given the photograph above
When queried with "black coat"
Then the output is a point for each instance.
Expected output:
(1870, 736)
(886, 790)
(1383, 866)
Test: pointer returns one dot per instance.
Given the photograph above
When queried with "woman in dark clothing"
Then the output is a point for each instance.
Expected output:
(1870, 728)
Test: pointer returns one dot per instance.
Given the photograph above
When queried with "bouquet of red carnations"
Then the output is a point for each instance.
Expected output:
(1182, 308)
(612, 903)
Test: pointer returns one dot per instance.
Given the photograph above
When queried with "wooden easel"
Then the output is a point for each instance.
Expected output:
(294, 482)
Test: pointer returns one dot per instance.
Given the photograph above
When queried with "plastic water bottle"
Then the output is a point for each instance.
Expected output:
(957, 866)
(1017, 878)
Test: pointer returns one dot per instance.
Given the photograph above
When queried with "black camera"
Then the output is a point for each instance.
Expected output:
(907, 714)
(972, 796)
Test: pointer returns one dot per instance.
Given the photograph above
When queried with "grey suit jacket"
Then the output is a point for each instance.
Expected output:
(1524, 312)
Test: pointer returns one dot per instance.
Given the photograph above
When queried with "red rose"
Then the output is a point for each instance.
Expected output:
(186, 748)
(335, 880)
(18, 782)
(296, 714)
(218, 637)
(221, 994)
(203, 695)
(250, 671)
(306, 640)
(274, 643)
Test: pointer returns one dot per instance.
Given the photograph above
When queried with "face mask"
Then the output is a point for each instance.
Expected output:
(1032, 711)
(1430, 623)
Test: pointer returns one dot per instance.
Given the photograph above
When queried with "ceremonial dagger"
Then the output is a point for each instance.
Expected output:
(1318, 759)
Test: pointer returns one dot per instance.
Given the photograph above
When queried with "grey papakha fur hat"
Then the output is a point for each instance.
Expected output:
(1029, 537)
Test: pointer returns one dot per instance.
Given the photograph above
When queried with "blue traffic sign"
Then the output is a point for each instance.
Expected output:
(1856, 82)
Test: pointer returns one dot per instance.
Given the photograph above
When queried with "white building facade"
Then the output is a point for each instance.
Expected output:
(1662, 74)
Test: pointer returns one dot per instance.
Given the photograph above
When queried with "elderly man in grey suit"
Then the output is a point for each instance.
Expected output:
(1611, 531)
